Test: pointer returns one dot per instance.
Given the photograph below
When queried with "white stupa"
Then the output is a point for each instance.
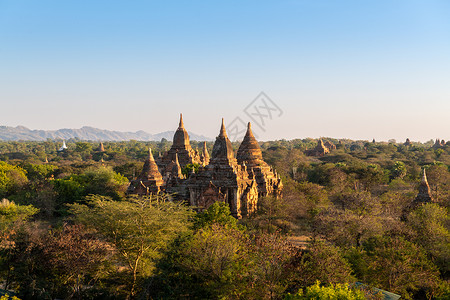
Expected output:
(63, 147)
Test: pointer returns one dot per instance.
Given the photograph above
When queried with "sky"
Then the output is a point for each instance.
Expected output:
(343, 69)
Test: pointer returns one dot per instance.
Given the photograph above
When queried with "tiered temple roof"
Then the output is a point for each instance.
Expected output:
(150, 179)
(181, 148)
(222, 153)
(249, 155)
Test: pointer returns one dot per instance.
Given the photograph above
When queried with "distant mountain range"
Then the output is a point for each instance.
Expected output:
(21, 133)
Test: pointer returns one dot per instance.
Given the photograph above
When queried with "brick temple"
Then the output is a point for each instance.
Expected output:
(238, 180)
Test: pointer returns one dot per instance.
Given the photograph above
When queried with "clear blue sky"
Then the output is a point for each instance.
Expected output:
(344, 69)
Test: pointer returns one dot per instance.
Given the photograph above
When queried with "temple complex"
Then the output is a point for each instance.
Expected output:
(407, 142)
(438, 144)
(224, 179)
(319, 150)
(329, 145)
(238, 181)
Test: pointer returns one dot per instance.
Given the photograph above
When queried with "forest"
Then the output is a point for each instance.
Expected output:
(344, 227)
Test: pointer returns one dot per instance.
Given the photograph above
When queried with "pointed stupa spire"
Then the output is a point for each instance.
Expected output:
(150, 170)
(181, 125)
(249, 129)
(63, 147)
(205, 155)
(176, 159)
(249, 150)
(424, 194)
(149, 180)
(176, 168)
(223, 132)
(222, 149)
(150, 155)
(181, 137)
(424, 178)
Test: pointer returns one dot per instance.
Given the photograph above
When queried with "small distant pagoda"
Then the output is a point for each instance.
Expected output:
(101, 148)
(438, 144)
(63, 147)
(424, 195)
(319, 150)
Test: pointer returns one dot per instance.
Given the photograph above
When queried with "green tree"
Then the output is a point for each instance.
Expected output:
(99, 181)
(187, 170)
(322, 262)
(13, 218)
(139, 228)
(217, 213)
(213, 263)
(83, 147)
(12, 178)
(49, 263)
(12, 215)
(39, 172)
(399, 170)
(396, 265)
(431, 225)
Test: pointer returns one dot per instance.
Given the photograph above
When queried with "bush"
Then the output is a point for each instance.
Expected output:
(332, 292)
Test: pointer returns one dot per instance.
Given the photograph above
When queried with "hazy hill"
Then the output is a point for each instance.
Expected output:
(21, 133)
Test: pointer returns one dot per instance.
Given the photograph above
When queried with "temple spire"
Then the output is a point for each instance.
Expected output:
(181, 125)
(205, 155)
(181, 137)
(176, 169)
(223, 132)
(249, 130)
(150, 170)
(249, 150)
(176, 159)
(424, 178)
(424, 195)
(222, 149)
(150, 155)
